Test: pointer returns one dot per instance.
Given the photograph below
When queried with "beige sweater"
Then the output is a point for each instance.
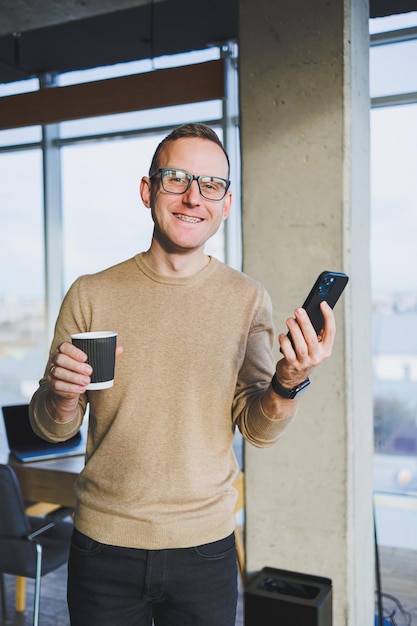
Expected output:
(197, 356)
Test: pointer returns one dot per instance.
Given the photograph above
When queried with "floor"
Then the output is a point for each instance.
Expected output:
(399, 585)
(398, 582)
(53, 607)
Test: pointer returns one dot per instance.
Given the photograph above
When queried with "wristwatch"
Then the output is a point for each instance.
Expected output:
(288, 394)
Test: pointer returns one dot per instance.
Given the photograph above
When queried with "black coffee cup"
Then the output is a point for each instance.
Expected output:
(100, 348)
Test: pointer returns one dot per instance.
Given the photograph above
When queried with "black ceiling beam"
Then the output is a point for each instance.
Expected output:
(382, 8)
(161, 28)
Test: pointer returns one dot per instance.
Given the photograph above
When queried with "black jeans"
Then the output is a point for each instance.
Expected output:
(112, 586)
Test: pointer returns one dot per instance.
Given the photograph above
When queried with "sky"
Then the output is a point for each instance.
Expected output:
(394, 198)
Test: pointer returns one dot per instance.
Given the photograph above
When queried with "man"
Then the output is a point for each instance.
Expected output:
(154, 522)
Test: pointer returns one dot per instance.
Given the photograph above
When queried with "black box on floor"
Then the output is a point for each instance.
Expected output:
(277, 597)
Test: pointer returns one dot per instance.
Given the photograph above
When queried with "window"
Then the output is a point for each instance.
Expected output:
(82, 194)
(22, 287)
(394, 277)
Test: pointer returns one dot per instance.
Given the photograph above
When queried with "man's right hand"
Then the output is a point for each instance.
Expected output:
(67, 372)
(67, 375)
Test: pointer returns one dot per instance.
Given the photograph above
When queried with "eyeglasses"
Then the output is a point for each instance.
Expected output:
(178, 181)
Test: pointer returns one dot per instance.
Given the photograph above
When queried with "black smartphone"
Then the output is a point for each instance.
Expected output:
(329, 286)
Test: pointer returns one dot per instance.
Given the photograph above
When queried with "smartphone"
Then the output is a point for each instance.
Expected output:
(329, 286)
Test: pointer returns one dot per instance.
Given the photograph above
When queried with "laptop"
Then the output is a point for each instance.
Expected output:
(25, 444)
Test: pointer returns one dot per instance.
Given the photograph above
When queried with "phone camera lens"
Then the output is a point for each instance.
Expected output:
(326, 285)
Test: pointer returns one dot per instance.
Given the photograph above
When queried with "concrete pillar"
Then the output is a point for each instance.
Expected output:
(305, 198)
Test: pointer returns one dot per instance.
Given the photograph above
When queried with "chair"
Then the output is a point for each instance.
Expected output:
(32, 509)
(29, 546)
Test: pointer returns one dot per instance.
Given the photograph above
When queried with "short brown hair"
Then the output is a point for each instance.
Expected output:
(201, 131)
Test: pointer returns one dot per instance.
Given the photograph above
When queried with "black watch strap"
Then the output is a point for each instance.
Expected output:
(288, 394)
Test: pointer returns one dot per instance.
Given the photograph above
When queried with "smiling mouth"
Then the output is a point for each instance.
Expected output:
(188, 218)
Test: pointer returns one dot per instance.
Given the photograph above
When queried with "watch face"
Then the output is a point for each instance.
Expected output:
(300, 388)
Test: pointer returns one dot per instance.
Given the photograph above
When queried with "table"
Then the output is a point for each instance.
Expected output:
(48, 481)
(44, 481)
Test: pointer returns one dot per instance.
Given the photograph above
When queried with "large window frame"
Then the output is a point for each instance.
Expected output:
(52, 104)
(396, 506)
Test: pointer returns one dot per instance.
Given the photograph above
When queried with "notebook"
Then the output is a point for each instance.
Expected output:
(25, 444)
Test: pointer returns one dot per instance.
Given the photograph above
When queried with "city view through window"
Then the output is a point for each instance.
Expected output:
(22, 293)
(394, 277)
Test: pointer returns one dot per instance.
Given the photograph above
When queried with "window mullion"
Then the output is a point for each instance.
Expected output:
(233, 225)
(53, 226)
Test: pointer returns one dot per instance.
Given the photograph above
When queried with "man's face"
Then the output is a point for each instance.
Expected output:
(184, 222)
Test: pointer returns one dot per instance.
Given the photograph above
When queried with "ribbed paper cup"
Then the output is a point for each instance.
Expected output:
(100, 348)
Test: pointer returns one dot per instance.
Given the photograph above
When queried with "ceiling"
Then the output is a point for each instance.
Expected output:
(50, 36)
(77, 34)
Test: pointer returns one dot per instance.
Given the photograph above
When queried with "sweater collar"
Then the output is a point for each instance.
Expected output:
(200, 276)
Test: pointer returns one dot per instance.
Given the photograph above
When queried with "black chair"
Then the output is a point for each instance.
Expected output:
(29, 546)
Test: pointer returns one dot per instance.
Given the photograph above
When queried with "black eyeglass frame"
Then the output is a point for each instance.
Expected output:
(191, 179)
